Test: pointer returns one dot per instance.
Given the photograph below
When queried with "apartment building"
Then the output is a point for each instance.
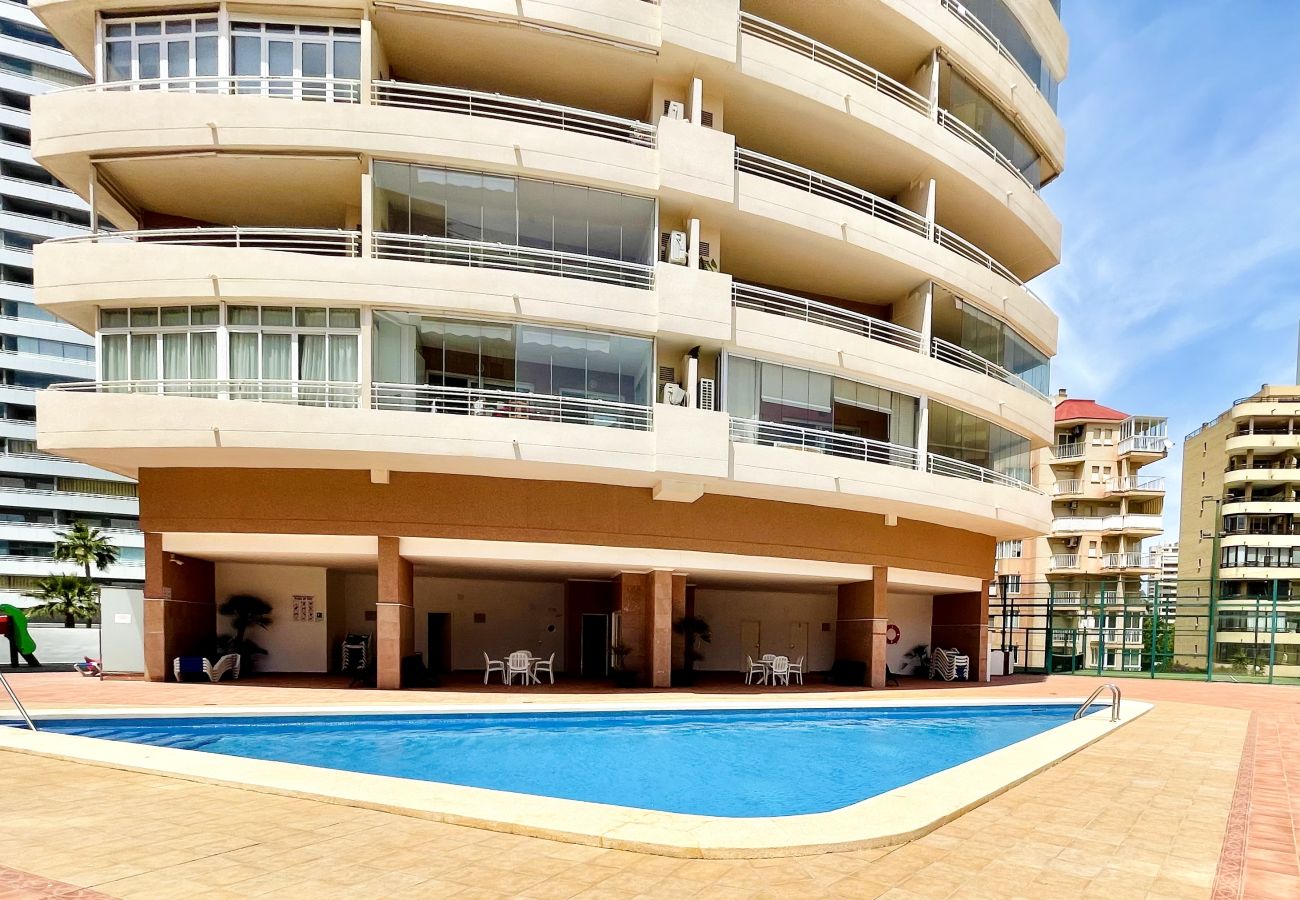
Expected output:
(1086, 578)
(541, 328)
(1167, 557)
(1239, 540)
(40, 493)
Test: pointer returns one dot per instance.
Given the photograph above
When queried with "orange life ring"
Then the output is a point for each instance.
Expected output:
(892, 634)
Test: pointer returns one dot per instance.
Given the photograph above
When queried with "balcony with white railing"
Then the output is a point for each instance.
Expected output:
(342, 395)
(956, 468)
(1136, 484)
(316, 241)
(520, 405)
(748, 296)
(1068, 487)
(1144, 443)
(283, 87)
(1067, 450)
(945, 351)
(817, 440)
(1116, 522)
(1129, 560)
(1064, 562)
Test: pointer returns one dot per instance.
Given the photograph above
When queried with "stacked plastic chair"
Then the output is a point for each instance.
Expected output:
(356, 652)
(950, 665)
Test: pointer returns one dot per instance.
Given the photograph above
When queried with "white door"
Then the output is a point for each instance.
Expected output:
(751, 642)
(798, 641)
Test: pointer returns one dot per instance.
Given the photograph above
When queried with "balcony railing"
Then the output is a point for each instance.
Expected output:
(319, 241)
(294, 393)
(1116, 522)
(1119, 635)
(496, 404)
(956, 468)
(959, 245)
(1129, 561)
(945, 351)
(1139, 483)
(1064, 561)
(513, 109)
(969, 19)
(1067, 487)
(832, 58)
(1063, 450)
(285, 87)
(1143, 443)
(817, 440)
(819, 185)
(748, 296)
(981, 143)
(481, 254)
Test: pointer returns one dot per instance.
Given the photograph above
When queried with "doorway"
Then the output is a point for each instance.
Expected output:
(798, 641)
(593, 660)
(751, 643)
(439, 643)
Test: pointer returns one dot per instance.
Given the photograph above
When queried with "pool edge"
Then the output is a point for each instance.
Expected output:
(910, 811)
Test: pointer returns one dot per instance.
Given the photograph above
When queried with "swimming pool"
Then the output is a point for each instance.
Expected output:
(728, 763)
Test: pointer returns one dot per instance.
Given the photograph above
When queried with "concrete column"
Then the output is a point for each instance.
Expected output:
(180, 609)
(861, 617)
(693, 244)
(696, 111)
(365, 358)
(367, 215)
(961, 621)
(922, 433)
(394, 614)
(645, 602)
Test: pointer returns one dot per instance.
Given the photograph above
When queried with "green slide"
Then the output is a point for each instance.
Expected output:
(20, 636)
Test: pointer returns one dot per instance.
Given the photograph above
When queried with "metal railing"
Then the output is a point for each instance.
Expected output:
(971, 21)
(1087, 704)
(981, 143)
(1143, 443)
(956, 468)
(295, 393)
(1065, 561)
(287, 87)
(832, 58)
(318, 241)
(1067, 449)
(959, 245)
(1068, 486)
(481, 254)
(514, 109)
(505, 404)
(129, 532)
(948, 352)
(818, 440)
(1115, 522)
(1127, 483)
(13, 698)
(1129, 560)
(819, 185)
(89, 495)
(748, 296)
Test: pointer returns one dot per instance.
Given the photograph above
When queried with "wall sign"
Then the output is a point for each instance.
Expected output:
(304, 607)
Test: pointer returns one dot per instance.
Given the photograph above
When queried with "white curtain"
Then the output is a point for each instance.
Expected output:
(277, 364)
(313, 368)
(343, 358)
(203, 362)
(176, 362)
(144, 357)
(114, 365)
(243, 361)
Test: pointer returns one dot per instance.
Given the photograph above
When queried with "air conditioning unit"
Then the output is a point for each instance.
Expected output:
(674, 395)
(674, 109)
(677, 248)
(706, 393)
(1072, 505)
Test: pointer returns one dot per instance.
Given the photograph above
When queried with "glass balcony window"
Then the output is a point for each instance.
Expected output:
(966, 102)
(959, 435)
(998, 18)
(962, 324)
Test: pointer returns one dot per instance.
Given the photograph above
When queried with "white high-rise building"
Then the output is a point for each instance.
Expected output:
(1167, 554)
(39, 492)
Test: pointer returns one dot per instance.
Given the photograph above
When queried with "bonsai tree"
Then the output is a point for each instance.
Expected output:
(693, 629)
(69, 596)
(85, 546)
(919, 656)
(245, 612)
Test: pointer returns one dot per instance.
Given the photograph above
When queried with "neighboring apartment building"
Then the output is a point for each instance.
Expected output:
(540, 329)
(40, 493)
(1241, 493)
(1167, 557)
(1091, 569)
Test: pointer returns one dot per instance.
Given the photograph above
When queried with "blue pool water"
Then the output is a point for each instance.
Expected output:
(738, 763)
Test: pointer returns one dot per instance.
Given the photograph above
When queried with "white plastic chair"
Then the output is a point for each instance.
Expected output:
(781, 670)
(796, 669)
(214, 670)
(492, 665)
(519, 663)
(544, 665)
(755, 668)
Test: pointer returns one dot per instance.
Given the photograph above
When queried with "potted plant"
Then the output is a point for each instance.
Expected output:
(693, 629)
(623, 678)
(245, 612)
(919, 656)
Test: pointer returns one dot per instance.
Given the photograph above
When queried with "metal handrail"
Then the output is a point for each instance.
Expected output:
(287, 87)
(938, 464)
(436, 98)
(980, 142)
(507, 404)
(339, 394)
(1114, 702)
(821, 440)
(749, 296)
(17, 703)
(319, 241)
(946, 351)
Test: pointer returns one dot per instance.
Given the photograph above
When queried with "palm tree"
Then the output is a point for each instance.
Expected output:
(85, 546)
(70, 596)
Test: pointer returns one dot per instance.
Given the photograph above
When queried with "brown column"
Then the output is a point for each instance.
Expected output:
(861, 617)
(394, 614)
(962, 621)
(646, 603)
(630, 589)
(180, 609)
(679, 612)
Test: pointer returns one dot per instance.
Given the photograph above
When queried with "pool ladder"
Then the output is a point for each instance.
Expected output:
(1114, 702)
(17, 703)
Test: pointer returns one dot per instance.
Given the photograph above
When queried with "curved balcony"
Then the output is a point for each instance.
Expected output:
(1275, 407)
(1260, 507)
(1131, 523)
(959, 356)
(1268, 438)
(1260, 476)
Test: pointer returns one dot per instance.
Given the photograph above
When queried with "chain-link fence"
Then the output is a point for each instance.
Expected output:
(1188, 629)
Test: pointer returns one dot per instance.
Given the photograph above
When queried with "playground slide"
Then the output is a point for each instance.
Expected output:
(13, 625)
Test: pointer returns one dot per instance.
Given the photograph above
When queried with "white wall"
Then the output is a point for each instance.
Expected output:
(121, 633)
(291, 646)
(519, 615)
(724, 610)
(913, 614)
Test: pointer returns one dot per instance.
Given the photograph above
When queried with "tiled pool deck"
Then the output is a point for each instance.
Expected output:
(1166, 807)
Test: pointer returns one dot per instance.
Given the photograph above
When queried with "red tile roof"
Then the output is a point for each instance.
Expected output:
(1087, 410)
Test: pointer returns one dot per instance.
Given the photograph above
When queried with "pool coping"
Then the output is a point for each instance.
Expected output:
(894, 817)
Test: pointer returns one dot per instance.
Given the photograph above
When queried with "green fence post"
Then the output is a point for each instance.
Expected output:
(1101, 629)
(1214, 593)
(1047, 648)
(1272, 634)
(1155, 612)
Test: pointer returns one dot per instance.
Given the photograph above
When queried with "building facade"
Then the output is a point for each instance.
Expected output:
(1239, 541)
(1083, 585)
(722, 311)
(40, 493)
(1167, 556)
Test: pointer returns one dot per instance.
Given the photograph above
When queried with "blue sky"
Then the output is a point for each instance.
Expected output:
(1179, 288)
